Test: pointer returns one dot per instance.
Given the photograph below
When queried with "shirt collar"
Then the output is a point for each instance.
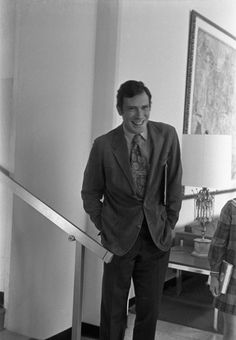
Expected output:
(129, 135)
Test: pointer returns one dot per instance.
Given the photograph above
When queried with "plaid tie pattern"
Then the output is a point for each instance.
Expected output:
(139, 166)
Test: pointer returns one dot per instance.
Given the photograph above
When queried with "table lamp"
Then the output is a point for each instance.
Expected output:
(206, 161)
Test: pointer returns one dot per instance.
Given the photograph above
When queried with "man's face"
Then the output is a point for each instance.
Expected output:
(135, 112)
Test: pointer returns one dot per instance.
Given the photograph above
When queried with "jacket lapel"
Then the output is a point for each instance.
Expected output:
(157, 141)
(120, 151)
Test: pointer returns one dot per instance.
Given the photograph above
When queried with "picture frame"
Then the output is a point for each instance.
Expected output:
(210, 95)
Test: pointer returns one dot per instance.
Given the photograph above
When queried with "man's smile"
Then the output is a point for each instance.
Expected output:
(138, 123)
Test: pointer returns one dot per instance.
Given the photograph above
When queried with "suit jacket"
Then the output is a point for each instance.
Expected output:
(109, 196)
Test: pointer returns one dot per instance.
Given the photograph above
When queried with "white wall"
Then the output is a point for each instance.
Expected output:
(54, 77)
(7, 32)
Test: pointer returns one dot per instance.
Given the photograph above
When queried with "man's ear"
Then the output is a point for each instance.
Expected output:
(119, 110)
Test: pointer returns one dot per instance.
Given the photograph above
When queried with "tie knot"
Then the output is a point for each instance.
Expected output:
(137, 139)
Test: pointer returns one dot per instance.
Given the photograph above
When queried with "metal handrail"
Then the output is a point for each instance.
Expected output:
(75, 234)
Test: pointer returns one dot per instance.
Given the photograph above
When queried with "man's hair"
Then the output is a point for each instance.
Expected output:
(130, 89)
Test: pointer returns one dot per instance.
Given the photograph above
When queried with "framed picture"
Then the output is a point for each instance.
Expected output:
(210, 100)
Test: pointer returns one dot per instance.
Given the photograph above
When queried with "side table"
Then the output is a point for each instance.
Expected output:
(181, 259)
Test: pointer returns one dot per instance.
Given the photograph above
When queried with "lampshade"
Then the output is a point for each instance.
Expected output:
(207, 160)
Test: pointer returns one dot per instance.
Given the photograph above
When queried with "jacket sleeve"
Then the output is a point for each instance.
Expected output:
(174, 182)
(219, 244)
(93, 185)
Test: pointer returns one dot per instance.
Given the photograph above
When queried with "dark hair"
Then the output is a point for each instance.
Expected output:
(130, 89)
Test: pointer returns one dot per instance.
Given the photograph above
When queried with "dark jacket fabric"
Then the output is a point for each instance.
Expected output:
(108, 191)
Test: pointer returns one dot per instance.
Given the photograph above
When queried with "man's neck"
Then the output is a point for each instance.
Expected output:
(130, 135)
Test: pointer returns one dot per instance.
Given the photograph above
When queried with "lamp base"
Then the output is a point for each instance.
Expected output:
(201, 247)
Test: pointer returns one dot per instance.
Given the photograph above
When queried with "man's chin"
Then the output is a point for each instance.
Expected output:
(138, 128)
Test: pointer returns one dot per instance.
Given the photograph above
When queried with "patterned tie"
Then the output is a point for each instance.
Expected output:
(139, 166)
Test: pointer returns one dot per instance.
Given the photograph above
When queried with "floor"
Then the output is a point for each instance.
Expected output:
(165, 331)
(170, 331)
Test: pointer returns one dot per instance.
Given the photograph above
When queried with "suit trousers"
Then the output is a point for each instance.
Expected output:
(146, 265)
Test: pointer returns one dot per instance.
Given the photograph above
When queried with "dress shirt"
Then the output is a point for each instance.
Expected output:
(145, 145)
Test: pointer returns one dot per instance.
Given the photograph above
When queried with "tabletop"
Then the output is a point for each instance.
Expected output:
(181, 258)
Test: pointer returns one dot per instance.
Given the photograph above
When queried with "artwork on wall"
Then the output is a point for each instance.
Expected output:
(210, 101)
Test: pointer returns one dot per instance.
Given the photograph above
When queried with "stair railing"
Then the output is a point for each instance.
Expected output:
(75, 233)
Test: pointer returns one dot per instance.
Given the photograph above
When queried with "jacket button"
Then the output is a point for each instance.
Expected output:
(139, 226)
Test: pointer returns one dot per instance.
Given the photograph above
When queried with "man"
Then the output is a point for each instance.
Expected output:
(132, 193)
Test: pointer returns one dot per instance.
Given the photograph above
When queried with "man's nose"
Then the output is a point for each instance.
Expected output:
(139, 112)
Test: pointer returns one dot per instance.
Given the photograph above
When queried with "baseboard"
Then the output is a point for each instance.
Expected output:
(65, 335)
(90, 331)
(87, 330)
